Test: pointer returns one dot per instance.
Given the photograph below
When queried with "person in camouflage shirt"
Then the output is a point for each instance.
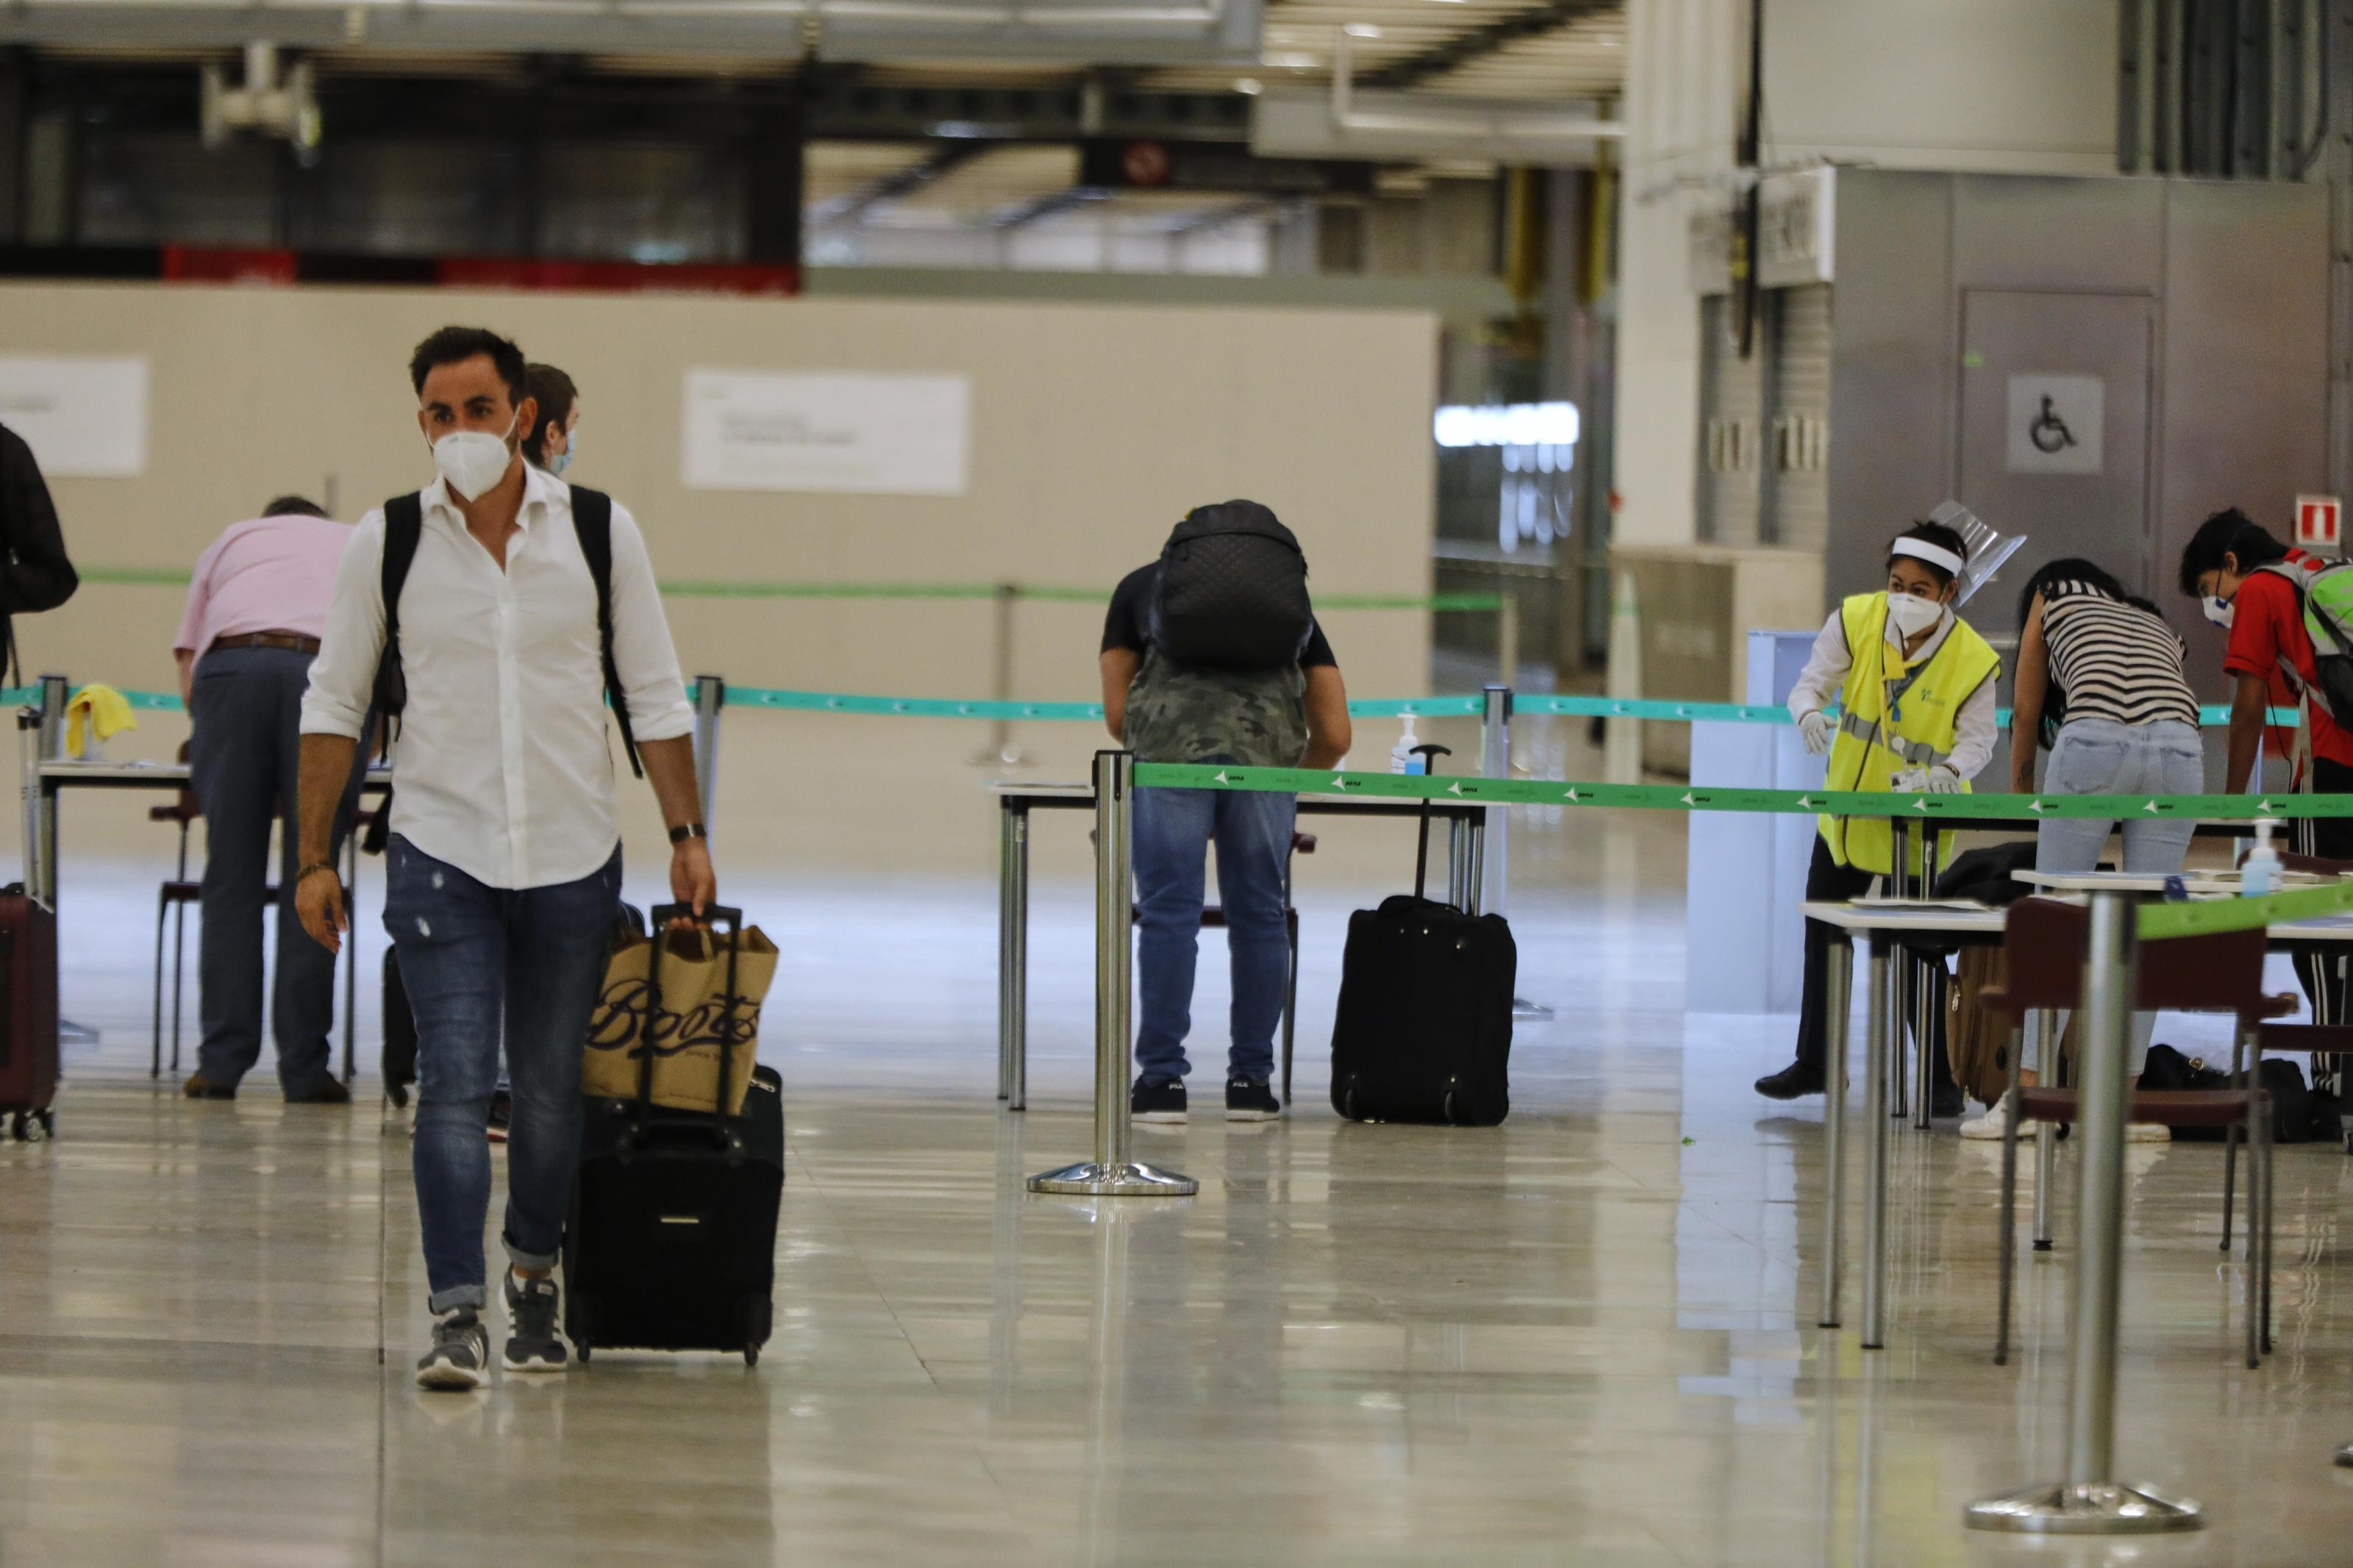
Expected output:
(1294, 715)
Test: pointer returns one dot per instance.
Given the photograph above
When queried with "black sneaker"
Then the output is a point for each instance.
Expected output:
(199, 1086)
(1947, 1101)
(1248, 1101)
(532, 1342)
(459, 1361)
(1162, 1103)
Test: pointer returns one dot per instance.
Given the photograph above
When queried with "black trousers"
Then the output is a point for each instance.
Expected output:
(1828, 881)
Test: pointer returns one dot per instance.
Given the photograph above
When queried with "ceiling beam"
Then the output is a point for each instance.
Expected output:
(896, 185)
(1480, 42)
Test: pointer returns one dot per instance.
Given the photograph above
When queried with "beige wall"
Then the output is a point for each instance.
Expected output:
(1094, 427)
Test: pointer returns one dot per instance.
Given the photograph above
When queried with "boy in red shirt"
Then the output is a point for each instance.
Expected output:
(2223, 567)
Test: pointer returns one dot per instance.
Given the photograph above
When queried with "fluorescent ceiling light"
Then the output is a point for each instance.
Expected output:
(1506, 425)
(1361, 30)
(1249, 86)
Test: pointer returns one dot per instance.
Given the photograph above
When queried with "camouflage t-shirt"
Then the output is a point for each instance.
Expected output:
(1190, 713)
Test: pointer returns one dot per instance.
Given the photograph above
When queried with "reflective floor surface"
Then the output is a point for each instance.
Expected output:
(1585, 1337)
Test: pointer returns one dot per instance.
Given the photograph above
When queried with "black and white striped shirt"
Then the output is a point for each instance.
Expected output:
(2113, 660)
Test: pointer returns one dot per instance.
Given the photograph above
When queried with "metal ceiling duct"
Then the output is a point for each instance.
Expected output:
(1104, 32)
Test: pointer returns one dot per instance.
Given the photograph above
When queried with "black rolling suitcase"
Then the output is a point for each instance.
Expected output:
(28, 1016)
(1424, 1027)
(671, 1243)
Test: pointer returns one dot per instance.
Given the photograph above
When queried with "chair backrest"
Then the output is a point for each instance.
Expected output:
(2043, 943)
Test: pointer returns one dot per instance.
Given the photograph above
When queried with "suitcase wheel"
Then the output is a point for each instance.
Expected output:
(1348, 1105)
(585, 1350)
(751, 1355)
(34, 1126)
(1449, 1106)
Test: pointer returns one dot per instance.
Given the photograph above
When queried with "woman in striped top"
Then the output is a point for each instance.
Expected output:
(2100, 682)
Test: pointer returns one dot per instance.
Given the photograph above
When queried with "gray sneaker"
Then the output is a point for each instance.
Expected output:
(534, 1342)
(459, 1361)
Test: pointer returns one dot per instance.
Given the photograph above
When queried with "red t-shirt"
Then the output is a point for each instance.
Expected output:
(2266, 623)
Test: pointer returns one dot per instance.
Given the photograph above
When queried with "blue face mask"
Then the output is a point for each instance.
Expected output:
(558, 463)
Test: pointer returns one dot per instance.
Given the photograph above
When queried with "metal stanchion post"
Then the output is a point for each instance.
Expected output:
(1838, 986)
(710, 698)
(1001, 751)
(2046, 1136)
(2088, 1502)
(1004, 949)
(1899, 885)
(1111, 1172)
(1924, 994)
(40, 800)
(1875, 1064)
(1496, 762)
(1017, 1096)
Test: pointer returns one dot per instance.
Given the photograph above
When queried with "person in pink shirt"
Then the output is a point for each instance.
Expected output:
(257, 605)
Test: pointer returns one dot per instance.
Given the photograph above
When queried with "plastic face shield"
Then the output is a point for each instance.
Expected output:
(1988, 551)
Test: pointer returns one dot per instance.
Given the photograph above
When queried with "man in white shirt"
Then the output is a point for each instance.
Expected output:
(504, 867)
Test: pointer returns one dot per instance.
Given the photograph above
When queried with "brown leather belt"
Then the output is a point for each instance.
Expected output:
(294, 642)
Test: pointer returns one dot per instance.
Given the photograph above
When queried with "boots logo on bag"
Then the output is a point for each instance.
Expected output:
(618, 1023)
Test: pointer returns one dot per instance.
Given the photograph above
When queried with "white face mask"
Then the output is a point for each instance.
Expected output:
(473, 461)
(2219, 610)
(1911, 614)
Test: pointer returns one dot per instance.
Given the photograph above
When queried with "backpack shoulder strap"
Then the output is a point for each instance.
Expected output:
(404, 523)
(592, 520)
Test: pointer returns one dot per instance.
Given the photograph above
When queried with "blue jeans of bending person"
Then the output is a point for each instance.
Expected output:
(2100, 756)
(476, 960)
(1174, 829)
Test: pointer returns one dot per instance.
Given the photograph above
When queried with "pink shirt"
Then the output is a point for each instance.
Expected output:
(271, 574)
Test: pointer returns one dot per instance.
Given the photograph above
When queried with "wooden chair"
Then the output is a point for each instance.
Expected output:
(2044, 946)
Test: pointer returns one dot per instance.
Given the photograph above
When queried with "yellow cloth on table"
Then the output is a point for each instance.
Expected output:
(104, 711)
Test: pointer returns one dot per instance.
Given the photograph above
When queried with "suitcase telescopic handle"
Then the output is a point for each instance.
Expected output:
(716, 917)
(1428, 753)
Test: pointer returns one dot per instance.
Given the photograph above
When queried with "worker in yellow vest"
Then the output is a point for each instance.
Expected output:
(1915, 689)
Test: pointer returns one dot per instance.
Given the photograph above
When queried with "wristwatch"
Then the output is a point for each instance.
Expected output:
(690, 830)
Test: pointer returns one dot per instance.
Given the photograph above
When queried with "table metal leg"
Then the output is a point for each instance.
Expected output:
(2046, 1136)
(1924, 1018)
(351, 957)
(1876, 1061)
(1474, 865)
(1899, 885)
(1004, 949)
(1017, 1098)
(1838, 986)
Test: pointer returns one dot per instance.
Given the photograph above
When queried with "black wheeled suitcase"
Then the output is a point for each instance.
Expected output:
(671, 1243)
(28, 1016)
(1424, 1027)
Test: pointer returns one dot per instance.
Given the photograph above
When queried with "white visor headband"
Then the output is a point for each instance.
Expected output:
(1934, 554)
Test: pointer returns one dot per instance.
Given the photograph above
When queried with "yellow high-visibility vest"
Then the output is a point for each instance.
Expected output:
(1876, 739)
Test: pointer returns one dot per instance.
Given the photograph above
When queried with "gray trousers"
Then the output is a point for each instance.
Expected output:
(2099, 756)
(247, 712)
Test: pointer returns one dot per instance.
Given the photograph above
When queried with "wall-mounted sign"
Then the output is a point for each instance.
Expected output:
(2316, 520)
(1797, 229)
(859, 435)
(85, 418)
(2056, 424)
(1151, 164)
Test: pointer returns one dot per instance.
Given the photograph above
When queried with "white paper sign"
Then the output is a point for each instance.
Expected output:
(866, 434)
(85, 418)
(2056, 424)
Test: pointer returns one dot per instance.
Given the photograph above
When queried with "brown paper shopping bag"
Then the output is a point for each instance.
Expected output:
(672, 991)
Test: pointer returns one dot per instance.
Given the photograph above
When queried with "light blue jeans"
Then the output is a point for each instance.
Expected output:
(1174, 829)
(2099, 756)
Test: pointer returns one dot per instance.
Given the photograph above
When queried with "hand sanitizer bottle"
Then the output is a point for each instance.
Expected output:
(2259, 873)
(1401, 757)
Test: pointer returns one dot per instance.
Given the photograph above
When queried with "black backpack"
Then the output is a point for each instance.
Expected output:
(592, 520)
(1232, 591)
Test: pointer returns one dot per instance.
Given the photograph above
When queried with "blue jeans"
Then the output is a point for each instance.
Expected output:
(473, 956)
(2100, 756)
(1174, 829)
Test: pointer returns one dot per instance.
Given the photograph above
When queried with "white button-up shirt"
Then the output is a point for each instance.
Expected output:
(504, 767)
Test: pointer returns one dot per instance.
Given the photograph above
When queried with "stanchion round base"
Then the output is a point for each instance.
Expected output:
(2086, 1509)
(1131, 1181)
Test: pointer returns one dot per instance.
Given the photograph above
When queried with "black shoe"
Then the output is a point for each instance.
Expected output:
(1947, 1101)
(330, 1091)
(1248, 1101)
(1792, 1083)
(1161, 1102)
(199, 1086)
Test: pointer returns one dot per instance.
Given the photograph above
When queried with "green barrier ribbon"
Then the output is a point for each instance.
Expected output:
(2202, 916)
(1959, 808)
(913, 707)
(2213, 718)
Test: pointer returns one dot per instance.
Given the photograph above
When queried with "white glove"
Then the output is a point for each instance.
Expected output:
(1911, 781)
(1942, 780)
(1816, 729)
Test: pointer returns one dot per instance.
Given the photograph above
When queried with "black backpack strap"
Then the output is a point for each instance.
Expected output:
(592, 519)
(404, 523)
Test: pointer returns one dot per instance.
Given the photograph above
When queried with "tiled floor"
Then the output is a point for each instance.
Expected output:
(1585, 1337)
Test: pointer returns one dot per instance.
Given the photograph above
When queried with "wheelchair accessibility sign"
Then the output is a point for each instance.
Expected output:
(2055, 423)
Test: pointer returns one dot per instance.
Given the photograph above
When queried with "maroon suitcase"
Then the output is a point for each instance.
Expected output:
(28, 1015)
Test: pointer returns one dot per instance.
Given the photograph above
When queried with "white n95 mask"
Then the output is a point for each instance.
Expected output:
(1911, 614)
(2219, 610)
(472, 461)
